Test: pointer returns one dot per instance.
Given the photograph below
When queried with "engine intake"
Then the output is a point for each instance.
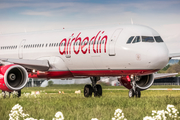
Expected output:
(144, 82)
(12, 77)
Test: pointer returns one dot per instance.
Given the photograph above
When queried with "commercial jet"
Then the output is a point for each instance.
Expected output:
(131, 52)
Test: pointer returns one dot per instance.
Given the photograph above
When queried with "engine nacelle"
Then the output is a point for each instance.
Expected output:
(12, 77)
(144, 82)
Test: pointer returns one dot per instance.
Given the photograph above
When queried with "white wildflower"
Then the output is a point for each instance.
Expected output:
(172, 111)
(161, 114)
(118, 115)
(94, 119)
(27, 95)
(148, 118)
(14, 94)
(17, 113)
(33, 94)
(59, 116)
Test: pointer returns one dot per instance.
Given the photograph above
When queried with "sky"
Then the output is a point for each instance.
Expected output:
(36, 15)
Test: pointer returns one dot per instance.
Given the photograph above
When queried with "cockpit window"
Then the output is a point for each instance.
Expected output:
(158, 39)
(136, 39)
(130, 39)
(147, 39)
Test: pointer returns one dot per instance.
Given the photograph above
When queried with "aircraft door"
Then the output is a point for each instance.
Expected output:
(112, 42)
(21, 46)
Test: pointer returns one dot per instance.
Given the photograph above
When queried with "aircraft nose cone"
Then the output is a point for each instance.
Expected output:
(158, 57)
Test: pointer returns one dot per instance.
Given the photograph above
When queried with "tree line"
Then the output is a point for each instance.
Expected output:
(175, 68)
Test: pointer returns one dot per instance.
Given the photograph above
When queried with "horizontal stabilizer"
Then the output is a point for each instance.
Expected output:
(164, 75)
(171, 55)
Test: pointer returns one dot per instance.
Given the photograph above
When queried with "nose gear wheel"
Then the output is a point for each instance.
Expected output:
(134, 91)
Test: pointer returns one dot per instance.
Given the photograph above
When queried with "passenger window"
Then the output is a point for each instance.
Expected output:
(136, 39)
(130, 39)
(158, 39)
(147, 39)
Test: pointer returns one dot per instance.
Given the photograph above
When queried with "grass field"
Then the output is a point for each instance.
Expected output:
(77, 107)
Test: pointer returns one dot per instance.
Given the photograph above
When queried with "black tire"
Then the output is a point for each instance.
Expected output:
(99, 91)
(9, 94)
(87, 90)
(131, 93)
(19, 93)
(138, 93)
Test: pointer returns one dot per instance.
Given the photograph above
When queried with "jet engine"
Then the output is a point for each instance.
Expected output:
(12, 77)
(142, 83)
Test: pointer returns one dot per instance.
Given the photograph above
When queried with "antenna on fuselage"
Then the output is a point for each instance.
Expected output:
(131, 21)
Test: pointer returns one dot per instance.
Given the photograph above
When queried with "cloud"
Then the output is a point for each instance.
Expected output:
(36, 13)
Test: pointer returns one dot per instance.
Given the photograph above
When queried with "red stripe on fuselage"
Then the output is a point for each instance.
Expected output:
(51, 74)
(111, 72)
(88, 73)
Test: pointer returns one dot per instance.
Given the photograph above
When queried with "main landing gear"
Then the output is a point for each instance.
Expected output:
(134, 91)
(96, 88)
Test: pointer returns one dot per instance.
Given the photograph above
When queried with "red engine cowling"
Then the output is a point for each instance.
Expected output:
(12, 77)
(144, 82)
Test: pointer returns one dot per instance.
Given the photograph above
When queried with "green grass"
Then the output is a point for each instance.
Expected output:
(73, 87)
(77, 107)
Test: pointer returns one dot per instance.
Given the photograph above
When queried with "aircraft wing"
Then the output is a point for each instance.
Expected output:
(171, 55)
(164, 75)
(41, 65)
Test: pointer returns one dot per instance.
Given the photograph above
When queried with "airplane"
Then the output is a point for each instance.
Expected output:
(133, 52)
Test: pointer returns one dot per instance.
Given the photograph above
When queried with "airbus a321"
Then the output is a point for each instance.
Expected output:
(131, 52)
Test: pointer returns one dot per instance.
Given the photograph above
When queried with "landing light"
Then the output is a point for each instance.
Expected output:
(33, 70)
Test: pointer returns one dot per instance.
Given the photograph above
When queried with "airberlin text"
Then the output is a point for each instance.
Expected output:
(83, 44)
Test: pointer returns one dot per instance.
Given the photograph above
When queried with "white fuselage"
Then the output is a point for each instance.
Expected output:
(77, 51)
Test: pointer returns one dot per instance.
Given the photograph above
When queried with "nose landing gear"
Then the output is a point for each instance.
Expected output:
(134, 91)
(96, 88)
